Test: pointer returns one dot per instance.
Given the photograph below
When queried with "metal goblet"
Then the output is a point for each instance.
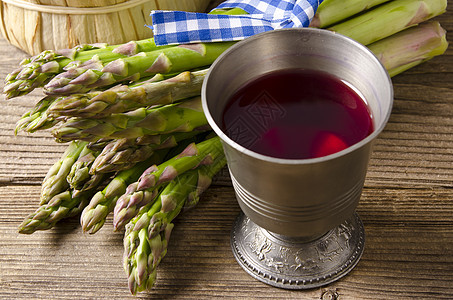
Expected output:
(298, 228)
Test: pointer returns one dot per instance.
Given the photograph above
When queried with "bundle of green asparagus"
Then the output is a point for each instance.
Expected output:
(139, 145)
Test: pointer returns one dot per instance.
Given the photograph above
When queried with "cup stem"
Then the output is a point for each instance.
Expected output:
(297, 263)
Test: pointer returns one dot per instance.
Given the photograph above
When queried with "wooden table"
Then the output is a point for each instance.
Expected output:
(407, 209)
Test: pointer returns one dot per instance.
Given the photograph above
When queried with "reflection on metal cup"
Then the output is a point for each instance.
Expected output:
(299, 199)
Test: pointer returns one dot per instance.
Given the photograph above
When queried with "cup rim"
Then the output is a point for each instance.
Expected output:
(297, 161)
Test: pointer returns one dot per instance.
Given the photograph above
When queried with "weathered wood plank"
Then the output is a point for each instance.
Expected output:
(409, 241)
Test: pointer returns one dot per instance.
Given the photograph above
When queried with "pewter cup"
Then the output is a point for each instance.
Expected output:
(294, 205)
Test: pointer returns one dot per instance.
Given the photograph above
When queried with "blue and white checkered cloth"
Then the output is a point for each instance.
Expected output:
(178, 27)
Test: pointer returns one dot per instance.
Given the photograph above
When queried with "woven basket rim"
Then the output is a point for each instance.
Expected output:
(67, 10)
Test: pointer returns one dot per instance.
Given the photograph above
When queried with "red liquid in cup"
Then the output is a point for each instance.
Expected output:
(297, 114)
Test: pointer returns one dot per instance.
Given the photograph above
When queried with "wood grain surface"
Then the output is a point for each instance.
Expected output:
(406, 207)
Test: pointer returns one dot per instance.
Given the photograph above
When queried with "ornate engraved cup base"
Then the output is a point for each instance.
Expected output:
(290, 264)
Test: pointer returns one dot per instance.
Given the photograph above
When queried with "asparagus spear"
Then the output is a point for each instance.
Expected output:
(141, 192)
(37, 117)
(124, 153)
(36, 71)
(178, 117)
(55, 180)
(333, 11)
(79, 178)
(147, 235)
(411, 45)
(63, 205)
(66, 105)
(102, 203)
(124, 98)
(389, 19)
(167, 60)
(400, 69)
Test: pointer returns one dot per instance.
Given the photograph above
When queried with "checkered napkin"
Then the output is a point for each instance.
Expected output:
(178, 27)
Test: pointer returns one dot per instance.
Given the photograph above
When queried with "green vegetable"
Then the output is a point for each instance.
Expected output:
(40, 69)
(147, 235)
(144, 190)
(102, 203)
(60, 206)
(333, 11)
(179, 117)
(121, 154)
(37, 118)
(415, 44)
(145, 64)
(388, 19)
(99, 104)
(55, 181)
(79, 178)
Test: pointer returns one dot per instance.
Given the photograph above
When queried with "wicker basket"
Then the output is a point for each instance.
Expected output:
(37, 25)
